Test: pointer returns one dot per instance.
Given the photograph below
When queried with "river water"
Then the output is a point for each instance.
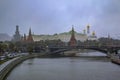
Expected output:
(70, 68)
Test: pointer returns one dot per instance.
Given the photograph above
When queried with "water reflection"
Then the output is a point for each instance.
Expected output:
(91, 54)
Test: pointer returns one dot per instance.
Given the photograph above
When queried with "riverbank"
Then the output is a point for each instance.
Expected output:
(115, 59)
(8, 68)
(65, 68)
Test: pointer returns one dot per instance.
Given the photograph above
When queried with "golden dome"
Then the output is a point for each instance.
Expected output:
(93, 33)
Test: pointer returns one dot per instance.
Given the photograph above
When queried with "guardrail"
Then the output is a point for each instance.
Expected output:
(11, 65)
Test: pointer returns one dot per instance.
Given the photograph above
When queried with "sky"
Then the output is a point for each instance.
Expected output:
(57, 16)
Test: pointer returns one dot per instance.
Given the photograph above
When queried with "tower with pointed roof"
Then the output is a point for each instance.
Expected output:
(73, 41)
(16, 36)
(88, 29)
(30, 38)
(24, 37)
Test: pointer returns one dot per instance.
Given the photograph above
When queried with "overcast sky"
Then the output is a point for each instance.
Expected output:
(57, 16)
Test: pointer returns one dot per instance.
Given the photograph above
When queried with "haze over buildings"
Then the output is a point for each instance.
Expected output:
(57, 16)
(5, 37)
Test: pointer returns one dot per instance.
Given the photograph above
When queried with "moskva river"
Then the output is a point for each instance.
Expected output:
(70, 68)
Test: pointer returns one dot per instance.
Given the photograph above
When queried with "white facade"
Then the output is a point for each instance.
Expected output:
(65, 37)
(92, 37)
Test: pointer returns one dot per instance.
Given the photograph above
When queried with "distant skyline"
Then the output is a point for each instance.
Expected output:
(57, 16)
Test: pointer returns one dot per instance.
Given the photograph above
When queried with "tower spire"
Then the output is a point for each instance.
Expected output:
(72, 41)
(30, 31)
(24, 37)
(17, 36)
(17, 29)
(73, 31)
(108, 36)
(88, 29)
(30, 38)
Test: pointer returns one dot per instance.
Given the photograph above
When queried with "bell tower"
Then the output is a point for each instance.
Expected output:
(17, 36)
(88, 29)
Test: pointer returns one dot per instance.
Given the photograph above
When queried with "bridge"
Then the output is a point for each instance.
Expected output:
(104, 49)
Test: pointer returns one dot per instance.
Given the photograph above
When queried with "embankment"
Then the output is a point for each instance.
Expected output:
(11, 65)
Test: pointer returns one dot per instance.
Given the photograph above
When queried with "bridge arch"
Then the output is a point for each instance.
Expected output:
(73, 53)
(56, 50)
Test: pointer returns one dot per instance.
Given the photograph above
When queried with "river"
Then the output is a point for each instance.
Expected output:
(69, 68)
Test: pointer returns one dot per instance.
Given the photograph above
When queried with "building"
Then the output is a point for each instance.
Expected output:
(73, 41)
(29, 37)
(17, 36)
(65, 37)
(92, 37)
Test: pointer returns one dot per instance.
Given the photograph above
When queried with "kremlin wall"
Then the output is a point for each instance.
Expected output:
(65, 37)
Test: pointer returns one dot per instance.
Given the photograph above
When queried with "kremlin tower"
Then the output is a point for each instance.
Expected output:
(88, 29)
(17, 36)
(29, 38)
(24, 37)
(72, 41)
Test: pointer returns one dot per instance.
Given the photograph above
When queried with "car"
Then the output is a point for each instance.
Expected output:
(2, 57)
(10, 55)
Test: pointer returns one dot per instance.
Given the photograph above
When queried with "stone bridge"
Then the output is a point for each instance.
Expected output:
(103, 49)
